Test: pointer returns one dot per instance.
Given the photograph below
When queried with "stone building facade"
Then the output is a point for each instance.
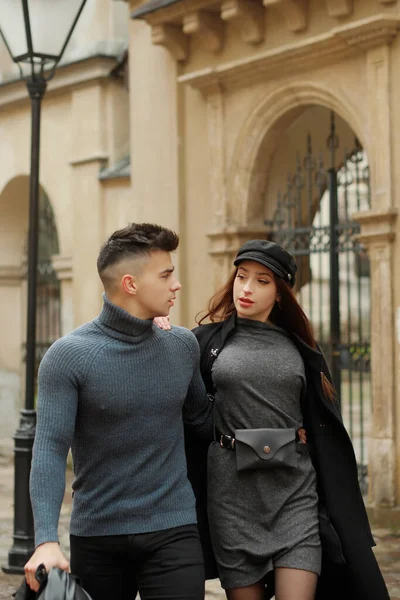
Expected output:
(228, 120)
(242, 88)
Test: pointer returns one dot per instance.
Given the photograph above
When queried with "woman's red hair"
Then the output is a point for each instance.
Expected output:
(288, 315)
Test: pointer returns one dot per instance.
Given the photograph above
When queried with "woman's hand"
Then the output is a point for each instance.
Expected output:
(302, 435)
(162, 323)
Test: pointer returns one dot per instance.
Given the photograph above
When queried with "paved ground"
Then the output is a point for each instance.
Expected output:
(387, 550)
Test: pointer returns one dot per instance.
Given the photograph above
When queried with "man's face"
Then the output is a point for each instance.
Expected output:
(156, 286)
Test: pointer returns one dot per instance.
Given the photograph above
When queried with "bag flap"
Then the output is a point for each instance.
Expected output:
(61, 585)
(265, 442)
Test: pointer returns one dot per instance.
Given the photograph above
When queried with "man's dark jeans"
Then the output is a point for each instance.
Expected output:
(162, 565)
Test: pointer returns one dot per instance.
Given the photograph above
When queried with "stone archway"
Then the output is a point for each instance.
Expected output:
(13, 228)
(14, 206)
(260, 136)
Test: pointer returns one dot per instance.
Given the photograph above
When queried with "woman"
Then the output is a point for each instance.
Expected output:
(305, 523)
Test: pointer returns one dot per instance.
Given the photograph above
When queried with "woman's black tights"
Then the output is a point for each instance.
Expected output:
(290, 584)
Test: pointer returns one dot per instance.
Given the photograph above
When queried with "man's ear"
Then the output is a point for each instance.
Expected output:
(129, 284)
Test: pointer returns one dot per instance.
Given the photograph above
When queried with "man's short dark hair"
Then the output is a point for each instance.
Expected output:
(137, 240)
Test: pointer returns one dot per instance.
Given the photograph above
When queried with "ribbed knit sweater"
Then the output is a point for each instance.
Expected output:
(115, 391)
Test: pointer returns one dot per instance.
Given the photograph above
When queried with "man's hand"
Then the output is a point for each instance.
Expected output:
(48, 554)
(162, 322)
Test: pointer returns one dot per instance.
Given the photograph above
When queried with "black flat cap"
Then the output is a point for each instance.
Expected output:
(271, 255)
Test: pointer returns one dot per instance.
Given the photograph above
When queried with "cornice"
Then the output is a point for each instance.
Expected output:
(174, 12)
(370, 32)
(285, 58)
(68, 77)
(206, 19)
(339, 43)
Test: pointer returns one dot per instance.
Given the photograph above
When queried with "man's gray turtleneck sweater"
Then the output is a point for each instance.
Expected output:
(114, 390)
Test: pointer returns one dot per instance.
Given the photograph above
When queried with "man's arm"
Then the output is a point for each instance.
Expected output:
(56, 414)
(198, 406)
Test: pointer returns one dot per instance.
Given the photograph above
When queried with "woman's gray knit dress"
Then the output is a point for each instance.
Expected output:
(260, 519)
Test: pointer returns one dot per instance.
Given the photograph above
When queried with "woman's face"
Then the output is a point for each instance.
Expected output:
(254, 291)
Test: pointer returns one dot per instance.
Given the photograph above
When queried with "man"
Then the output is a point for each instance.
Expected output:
(115, 390)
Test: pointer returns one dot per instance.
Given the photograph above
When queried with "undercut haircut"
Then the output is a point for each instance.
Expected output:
(137, 240)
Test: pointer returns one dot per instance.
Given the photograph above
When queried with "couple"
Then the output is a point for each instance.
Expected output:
(124, 394)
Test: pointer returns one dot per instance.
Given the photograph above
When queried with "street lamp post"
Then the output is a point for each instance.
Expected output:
(36, 35)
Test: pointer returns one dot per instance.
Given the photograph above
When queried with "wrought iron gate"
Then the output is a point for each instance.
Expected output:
(313, 220)
(48, 307)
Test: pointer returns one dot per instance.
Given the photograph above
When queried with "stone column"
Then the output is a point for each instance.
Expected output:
(377, 235)
(216, 138)
(379, 126)
(156, 143)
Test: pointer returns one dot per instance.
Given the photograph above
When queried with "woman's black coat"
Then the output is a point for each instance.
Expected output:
(349, 567)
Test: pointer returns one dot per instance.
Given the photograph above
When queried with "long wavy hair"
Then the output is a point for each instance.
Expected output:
(288, 315)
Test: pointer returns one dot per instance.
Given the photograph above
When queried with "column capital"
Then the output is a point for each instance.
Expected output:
(377, 226)
(11, 275)
(227, 240)
(62, 266)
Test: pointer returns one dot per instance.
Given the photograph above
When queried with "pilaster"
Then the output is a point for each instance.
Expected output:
(379, 129)
(88, 156)
(216, 138)
(377, 234)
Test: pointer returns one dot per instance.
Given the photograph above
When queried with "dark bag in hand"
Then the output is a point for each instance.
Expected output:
(265, 448)
(55, 585)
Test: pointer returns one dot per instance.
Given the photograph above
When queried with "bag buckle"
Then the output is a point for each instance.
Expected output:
(227, 441)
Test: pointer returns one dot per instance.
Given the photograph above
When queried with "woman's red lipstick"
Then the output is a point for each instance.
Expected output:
(246, 301)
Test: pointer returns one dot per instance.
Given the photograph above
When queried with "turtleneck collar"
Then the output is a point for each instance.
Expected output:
(261, 325)
(118, 323)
